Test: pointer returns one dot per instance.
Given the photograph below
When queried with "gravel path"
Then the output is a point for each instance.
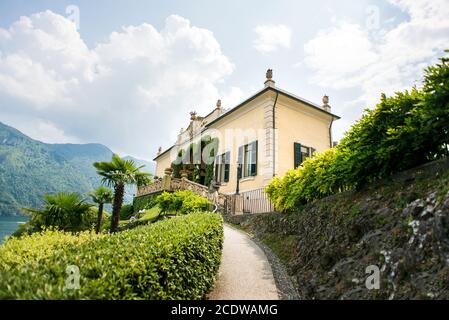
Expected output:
(245, 273)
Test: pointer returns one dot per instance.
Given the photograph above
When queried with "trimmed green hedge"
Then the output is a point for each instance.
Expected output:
(31, 248)
(174, 259)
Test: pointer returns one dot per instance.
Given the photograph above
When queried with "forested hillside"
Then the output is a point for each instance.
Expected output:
(30, 168)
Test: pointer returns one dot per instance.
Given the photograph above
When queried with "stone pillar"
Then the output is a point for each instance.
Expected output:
(166, 180)
(184, 175)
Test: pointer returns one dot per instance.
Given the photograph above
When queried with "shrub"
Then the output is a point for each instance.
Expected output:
(310, 181)
(182, 202)
(173, 259)
(126, 211)
(166, 202)
(403, 131)
(193, 203)
(65, 211)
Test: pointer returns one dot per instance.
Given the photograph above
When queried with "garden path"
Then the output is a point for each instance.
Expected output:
(245, 273)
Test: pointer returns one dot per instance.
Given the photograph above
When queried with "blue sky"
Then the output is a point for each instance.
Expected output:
(131, 65)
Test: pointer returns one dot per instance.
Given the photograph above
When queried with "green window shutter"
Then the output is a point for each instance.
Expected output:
(217, 168)
(227, 166)
(297, 154)
(240, 163)
(253, 158)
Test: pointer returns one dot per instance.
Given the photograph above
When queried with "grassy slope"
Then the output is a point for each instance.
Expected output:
(327, 245)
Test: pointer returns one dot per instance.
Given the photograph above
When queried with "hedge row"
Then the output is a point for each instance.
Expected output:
(31, 249)
(402, 132)
(174, 259)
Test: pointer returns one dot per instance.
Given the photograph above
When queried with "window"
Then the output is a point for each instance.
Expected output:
(301, 153)
(248, 160)
(222, 163)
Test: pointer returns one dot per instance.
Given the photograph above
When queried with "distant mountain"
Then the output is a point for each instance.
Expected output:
(30, 168)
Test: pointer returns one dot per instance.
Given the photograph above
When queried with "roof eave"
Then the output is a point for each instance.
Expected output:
(334, 116)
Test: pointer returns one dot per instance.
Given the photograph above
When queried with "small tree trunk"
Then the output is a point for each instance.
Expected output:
(119, 191)
(100, 215)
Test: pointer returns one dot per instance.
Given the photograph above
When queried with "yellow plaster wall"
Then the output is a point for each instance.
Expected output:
(250, 120)
(297, 122)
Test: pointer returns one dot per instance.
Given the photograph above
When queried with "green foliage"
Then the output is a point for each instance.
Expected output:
(144, 202)
(173, 259)
(182, 202)
(29, 169)
(121, 171)
(30, 249)
(102, 195)
(211, 149)
(403, 131)
(194, 158)
(65, 211)
(312, 180)
(151, 214)
(177, 165)
(126, 212)
(118, 173)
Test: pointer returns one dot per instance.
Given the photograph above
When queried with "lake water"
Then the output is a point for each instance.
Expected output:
(9, 224)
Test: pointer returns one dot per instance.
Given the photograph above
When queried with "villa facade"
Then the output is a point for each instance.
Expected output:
(264, 136)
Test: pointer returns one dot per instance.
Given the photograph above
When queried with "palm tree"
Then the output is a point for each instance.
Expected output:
(101, 196)
(117, 174)
(66, 211)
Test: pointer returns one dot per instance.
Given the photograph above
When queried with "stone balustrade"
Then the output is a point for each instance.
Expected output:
(167, 183)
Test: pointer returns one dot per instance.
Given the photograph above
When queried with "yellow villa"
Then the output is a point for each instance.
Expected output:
(264, 136)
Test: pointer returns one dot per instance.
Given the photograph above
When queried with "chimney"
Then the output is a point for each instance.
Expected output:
(269, 82)
(326, 105)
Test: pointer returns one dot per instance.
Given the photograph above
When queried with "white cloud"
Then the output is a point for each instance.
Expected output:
(128, 92)
(384, 60)
(44, 130)
(271, 38)
(341, 50)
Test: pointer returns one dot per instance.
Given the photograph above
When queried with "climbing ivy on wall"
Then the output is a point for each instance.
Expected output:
(188, 160)
(209, 170)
